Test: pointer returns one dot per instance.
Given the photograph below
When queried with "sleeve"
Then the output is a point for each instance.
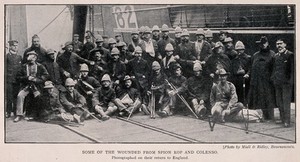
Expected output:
(21, 75)
(80, 59)
(80, 98)
(213, 95)
(64, 101)
(234, 99)
(96, 96)
(44, 75)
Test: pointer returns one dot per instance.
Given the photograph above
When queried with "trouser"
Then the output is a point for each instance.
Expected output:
(21, 97)
(104, 109)
(199, 107)
(283, 100)
(12, 90)
(219, 107)
(129, 108)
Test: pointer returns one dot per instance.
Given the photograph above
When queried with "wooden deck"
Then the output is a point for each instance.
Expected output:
(142, 129)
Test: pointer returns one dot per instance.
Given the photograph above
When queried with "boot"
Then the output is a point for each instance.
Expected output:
(101, 112)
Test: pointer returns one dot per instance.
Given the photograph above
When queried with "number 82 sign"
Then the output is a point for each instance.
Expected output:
(125, 16)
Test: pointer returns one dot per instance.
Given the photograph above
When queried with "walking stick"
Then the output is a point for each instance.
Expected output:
(211, 122)
(130, 114)
(246, 120)
(182, 98)
(91, 114)
(152, 108)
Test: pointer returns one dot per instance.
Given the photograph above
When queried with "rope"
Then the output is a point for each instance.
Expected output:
(52, 20)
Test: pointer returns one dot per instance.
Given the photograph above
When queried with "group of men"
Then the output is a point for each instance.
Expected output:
(152, 73)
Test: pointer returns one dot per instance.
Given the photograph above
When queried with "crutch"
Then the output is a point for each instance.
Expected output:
(152, 108)
(211, 122)
(182, 98)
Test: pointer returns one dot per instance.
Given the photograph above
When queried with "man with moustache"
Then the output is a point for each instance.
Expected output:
(135, 41)
(116, 68)
(202, 47)
(99, 46)
(13, 65)
(87, 47)
(69, 62)
(100, 67)
(229, 48)
(165, 39)
(283, 80)
(37, 48)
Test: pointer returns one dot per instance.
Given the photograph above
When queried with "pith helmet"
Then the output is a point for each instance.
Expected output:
(185, 32)
(239, 45)
(112, 41)
(105, 77)
(138, 49)
(228, 39)
(84, 67)
(197, 67)
(165, 28)
(221, 72)
(48, 84)
(115, 51)
(147, 30)
(178, 29)
(69, 82)
(155, 28)
(169, 47)
(208, 33)
(99, 38)
(155, 65)
(200, 31)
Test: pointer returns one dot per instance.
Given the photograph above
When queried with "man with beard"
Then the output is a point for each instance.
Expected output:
(53, 69)
(283, 79)
(169, 60)
(86, 85)
(155, 33)
(222, 35)
(165, 39)
(198, 90)
(13, 65)
(99, 46)
(100, 67)
(77, 45)
(128, 97)
(149, 47)
(186, 55)
(69, 61)
(37, 48)
(178, 32)
(116, 68)
(202, 48)
(218, 60)
(141, 73)
(32, 76)
(73, 101)
(125, 55)
(240, 65)
(87, 47)
(261, 92)
(104, 99)
(176, 80)
(135, 41)
(209, 37)
(229, 48)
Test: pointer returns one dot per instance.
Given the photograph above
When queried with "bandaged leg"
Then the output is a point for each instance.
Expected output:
(216, 111)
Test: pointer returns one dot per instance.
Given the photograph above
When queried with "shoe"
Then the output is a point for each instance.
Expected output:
(104, 118)
(76, 118)
(162, 114)
(7, 115)
(286, 125)
(17, 119)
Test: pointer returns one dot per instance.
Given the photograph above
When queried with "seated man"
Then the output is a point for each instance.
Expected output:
(198, 90)
(86, 85)
(104, 99)
(52, 108)
(31, 76)
(129, 97)
(73, 101)
(224, 101)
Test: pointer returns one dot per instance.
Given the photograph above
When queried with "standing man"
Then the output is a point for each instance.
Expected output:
(209, 37)
(37, 48)
(87, 47)
(178, 32)
(32, 76)
(202, 47)
(240, 65)
(13, 65)
(165, 39)
(135, 41)
(222, 35)
(77, 45)
(53, 69)
(229, 48)
(69, 62)
(283, 79)
(99, 46)
(155, 33)
(169, 60)
(116, 68)
(261, 92)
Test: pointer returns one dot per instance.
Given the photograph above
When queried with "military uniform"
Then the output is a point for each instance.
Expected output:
(161, 44)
